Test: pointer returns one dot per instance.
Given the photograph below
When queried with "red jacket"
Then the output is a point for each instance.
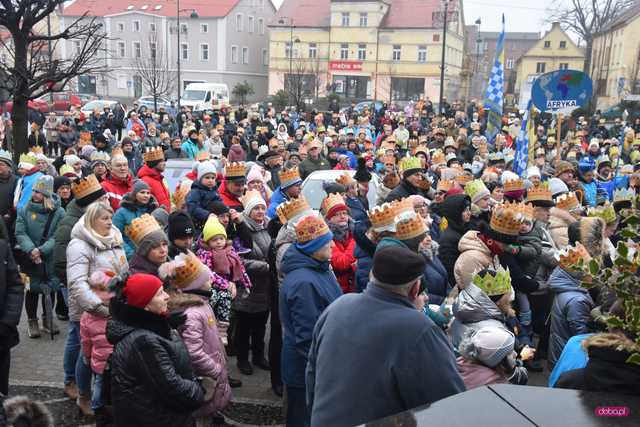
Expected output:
(159, 189)
(116, 188)
(230, 200)
(343, 263)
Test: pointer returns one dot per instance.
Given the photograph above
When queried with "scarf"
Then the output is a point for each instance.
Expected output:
(340, 232)
(227, 263)
(491, 244)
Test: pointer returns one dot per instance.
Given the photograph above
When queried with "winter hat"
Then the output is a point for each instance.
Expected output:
(557, 187)
(44, 185)
(6, 158)
(397, 265)
(213, 228)
(533, 171)
(71, 159)
(99, 157)
(255, 174)
(140, 289)
(251, 199)
(87, 151)
(60, 181)
(138, 186)
(218, 208)
(205, 168)
(162, 217)
(332, 204)
(331, 187)
(236, 154)
(180, 226)
(312, 233)
(362, 173)
(489, 345)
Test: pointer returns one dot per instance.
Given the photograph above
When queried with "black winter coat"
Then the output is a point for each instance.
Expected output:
(11, 297)
(451, 209)
(405, 190)
(152, 381)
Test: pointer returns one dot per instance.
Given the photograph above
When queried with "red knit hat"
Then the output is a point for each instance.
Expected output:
(140, 289)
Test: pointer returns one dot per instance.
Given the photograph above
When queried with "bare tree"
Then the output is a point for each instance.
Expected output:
(299, 82)
(154, 71)
(31, 71)
(586, 18)
(316, 71)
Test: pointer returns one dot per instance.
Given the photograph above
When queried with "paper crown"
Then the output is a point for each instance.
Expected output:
(567, 201)
(28, 158)
(188, 270)
(624, 195)
(526, 209)
(153, 154)
(37, 150)
(141, 227)
(311, 227)
(85, 186)
(382, 217)
(496, 156)
(507, 218)
(422, 148)
(450, 142)
(408, 163)
(180, 196)
(403, 206)
(445, 185)
(345, 179)
(44, 185)
(572, 256)
(289, 176)
(437, 158)
(606, 212)
(331, 202)
(117, 152)
(493, 282)
(293, 209)
(514, 185)
(100, 156)
(250, 197)
(476, 190)
(201, 156)
(539, 193)
(234, 170)
(463, 179)
(409, 228)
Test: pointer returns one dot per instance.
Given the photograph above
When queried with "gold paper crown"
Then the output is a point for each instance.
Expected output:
(422, 149)
(401, 206)
(572, 256)
(180, 196)
(526, 209)
(331, 201)
(97, 156)
(141, 227)
(383, 217)
(463, 179)
(539, 193)
(345, 179)
(251, 195)
(445, 185)
(117, 152)
(153, 154)
(311, 227)
(292, 209)
(235, 169)
(407, 163)
(438, 158)
(567, 201)
(409, 228)
(187, 273)
(514, 185)
(507, 218)
(288, 175)
(85, 186)
(201, 156)
(492, 285)
(37, 150)
(606, 212)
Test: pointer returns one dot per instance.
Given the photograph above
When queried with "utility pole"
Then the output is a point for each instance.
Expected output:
(178, 50)
(444, 44)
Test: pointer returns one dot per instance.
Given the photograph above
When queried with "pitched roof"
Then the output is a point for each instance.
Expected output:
(316, 13)
(631, 12)
(204, 8)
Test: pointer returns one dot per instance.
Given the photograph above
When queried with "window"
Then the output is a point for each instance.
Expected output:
(184, 51)
(422, 53)
(396, 52)
(136, 26)
(245, 55)
(234, 54)
(238, 22)
(137, 50)
(564, 66)
(204, 28)
(204, 52)
(345, 19)
(265, 57)
(183, 28)
(77, 47)
(541, 67)
(121, 49)
(261, 26)
(344, 51)
(436, 37)
(364, 17)
(122, 82)
(313, 50)
(250, 24)
(152, 27)
(153, 51)
(287, 50)
(509, 64)
(563, 44)
(362, 52)
(121, 27)
(547, 44)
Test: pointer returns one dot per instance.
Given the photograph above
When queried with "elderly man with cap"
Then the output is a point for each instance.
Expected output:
(315, 160)
(272, 161)
(290, 187)
(118, 181)
(413, 361)
(151, 173)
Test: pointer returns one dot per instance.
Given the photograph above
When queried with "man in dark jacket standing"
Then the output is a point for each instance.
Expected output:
(400, 360)
(414, 181)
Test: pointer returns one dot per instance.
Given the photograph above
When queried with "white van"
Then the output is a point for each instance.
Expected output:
(205, 96)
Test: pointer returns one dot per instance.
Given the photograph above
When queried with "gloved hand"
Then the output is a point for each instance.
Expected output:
(513, 249)
(209, 386)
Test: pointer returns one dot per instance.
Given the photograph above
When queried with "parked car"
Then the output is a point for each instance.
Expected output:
(86, 97)
(359, 108)
(147, 101)
(314, 193)
(34, 104)
(59, 102)
(100, 104)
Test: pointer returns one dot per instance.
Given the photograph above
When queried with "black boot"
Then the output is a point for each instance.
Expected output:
(261, 363)
(245, 367)
(234, 383)
(103, 417)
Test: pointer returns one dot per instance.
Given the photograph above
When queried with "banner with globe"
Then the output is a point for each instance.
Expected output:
(561, 91)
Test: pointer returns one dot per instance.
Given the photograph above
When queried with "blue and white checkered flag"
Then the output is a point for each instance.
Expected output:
(522, 145)
(494, 95)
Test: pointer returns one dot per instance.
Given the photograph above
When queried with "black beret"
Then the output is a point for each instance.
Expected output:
(397, 265)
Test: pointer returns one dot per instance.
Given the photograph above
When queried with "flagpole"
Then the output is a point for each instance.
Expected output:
(559, 134)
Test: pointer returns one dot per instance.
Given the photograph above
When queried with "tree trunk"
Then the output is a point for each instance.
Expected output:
(155, 102)
(19, 115)
(587, 60)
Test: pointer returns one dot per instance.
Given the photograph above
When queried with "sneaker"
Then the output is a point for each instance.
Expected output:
(71, 390)
(245, 367)
(234, 383)
(33, 329)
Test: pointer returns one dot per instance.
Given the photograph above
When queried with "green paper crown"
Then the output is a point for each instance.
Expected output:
(474, 188)
(410, 163)
(28, 158)
(623, 195)
(499, 284)
(606, 212)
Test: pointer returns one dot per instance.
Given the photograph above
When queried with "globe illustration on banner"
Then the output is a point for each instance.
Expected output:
(561, 91)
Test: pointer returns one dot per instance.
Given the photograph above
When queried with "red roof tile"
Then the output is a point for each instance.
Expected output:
(204, 8)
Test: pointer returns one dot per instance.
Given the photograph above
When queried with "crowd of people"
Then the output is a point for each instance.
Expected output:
(431, 267)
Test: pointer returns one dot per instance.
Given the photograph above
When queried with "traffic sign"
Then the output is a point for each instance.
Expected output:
(561, 91)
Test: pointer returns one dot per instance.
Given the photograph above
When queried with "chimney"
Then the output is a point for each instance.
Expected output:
(555, 24)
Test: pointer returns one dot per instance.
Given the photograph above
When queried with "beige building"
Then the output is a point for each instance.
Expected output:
(615, 60)
(369, 49)
(554, 51)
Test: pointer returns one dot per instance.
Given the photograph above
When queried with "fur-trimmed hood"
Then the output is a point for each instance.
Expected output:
(589, 232)
(21, 410)
(610, 340)
(180, 301)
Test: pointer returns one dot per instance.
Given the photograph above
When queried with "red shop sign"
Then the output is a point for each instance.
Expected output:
(345, 65)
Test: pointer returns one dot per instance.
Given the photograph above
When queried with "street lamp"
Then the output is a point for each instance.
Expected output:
(444, 45)
(282, 21)
(193, 15)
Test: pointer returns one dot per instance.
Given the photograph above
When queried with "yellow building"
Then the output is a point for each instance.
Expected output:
(615, 60)
(369, 49)
(554, 51)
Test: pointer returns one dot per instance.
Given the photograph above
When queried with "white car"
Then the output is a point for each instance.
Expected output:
(100, 104)
(314, 193)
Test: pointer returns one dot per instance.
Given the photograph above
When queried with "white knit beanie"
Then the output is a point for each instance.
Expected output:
(205, 168)
(557, 186)
(490, 345)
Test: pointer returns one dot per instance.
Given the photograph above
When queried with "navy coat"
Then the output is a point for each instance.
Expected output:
(198, 201)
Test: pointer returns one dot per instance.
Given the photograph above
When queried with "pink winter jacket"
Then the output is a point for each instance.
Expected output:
(93, 339)
(476, 375)
(200, 335)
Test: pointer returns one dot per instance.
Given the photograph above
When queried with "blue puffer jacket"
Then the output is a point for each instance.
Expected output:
(358, 212)
(365, 263)
(570, 312)
(436, 280)
(277, 198)
(309, 286)
(198, 200)
(126, 213)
